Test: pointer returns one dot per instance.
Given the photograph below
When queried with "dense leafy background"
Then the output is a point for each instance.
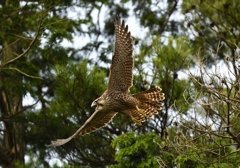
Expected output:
(59, 52)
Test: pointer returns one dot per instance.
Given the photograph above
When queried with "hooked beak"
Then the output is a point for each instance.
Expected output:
(94, 103)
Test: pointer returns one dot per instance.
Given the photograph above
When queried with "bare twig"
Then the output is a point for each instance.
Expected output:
(26, 51)
(16, 69)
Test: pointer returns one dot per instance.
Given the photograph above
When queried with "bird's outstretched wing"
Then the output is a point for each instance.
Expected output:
(97, 120)
(120, 77)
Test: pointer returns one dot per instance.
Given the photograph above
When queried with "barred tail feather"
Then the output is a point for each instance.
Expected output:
(149, 101)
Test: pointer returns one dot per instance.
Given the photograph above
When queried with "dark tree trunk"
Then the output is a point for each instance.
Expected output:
(12, 149)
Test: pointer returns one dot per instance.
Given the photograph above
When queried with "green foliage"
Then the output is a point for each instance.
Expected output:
(212, 24)
(76, 87)
(64, 82)
(133, 150)
(31, 33)
(170, 60)
(173, 56)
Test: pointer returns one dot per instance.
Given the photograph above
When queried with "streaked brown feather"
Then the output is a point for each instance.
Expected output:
(135, 114)
(94, 122)
(120, 77)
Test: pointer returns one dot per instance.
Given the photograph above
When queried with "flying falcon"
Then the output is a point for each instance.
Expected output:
(116, 99)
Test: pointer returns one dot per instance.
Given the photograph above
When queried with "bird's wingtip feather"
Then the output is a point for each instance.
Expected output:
(59, 142)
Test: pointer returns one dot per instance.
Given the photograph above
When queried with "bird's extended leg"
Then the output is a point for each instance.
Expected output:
(135, 120)
(141, 111)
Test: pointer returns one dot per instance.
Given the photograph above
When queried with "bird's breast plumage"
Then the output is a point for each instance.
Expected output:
(121, 101)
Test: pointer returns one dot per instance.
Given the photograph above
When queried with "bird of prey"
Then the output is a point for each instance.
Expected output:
(116, 99)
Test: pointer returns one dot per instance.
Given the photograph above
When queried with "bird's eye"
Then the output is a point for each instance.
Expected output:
(100, 104)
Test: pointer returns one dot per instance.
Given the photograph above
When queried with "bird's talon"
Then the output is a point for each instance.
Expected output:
(140, 111)
(136, 121)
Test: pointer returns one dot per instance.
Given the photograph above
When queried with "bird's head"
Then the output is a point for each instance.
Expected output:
(99, 102)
